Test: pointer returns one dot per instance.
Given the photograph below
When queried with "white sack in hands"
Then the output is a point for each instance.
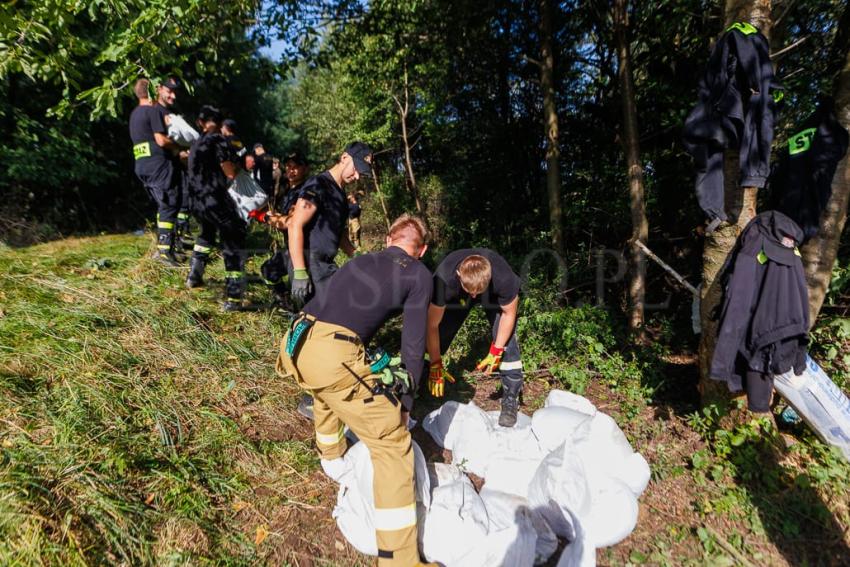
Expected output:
(180, 132)
(247, 195)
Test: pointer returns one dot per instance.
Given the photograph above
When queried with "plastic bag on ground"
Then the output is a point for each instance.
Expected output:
(819, 402)
(605, 451)
(456, 527)
(580, 552)
(466, 431)
(247, 195)
(613, 514)
(555, 424)
(518, 535)
(559, 490)
(514, 459)
(561, 398)
(355, 504)
(181, 132)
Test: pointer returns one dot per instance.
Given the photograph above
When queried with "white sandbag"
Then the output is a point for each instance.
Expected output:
(580, 552)
(555, 424)
(514, 459)
(454, 420)
(819, 402)
(355, 504)
(605, 451)
(441, 474)
(180, 132)
(559, 488)
(613, 513)
(247, 194)
(560, 398)
(512, 539)
(456, 527)
(522, 421)
(510, 512)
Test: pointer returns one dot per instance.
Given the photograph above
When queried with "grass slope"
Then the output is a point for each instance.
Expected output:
(139, 425)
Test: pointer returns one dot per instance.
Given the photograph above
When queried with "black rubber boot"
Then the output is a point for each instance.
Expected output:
(510, 407)
(196, 272)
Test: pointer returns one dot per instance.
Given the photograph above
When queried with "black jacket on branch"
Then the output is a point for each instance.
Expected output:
(738, 97)
(801, 182)
(764, 313)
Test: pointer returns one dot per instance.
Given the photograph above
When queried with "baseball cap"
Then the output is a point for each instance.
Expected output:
(208, 112)
(296, 157)
(259, 145)
(172, 83)
(230, 123)
(362, 156)
(781, 238)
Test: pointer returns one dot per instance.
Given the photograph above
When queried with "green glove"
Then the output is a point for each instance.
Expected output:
(302, 287)
(394, 371)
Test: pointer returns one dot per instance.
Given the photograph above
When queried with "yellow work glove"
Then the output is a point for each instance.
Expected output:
(492, 361)
(436, 376)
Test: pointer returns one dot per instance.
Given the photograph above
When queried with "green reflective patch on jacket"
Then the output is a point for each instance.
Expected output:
(801, 142)
(142, 150)
(743, 27)
(762, 257)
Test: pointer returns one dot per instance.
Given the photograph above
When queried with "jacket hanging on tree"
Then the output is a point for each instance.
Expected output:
(801, 182)
(738, 98)
(764, 313)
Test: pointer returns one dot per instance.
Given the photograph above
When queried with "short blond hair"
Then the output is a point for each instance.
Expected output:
(409, 228)
(475, 273)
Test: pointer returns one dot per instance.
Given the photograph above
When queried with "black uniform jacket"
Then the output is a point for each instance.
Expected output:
(801, 182)
(738, 97)
(764, 317)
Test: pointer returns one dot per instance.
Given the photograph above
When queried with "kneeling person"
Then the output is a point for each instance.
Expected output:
(325, 351)
(463, 279)
(210, 170)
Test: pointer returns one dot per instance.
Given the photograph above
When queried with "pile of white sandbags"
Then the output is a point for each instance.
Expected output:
(568, 472)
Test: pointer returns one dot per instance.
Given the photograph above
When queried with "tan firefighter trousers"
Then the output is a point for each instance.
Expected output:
(339, 398)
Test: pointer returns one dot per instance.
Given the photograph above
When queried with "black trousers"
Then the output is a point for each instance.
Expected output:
(168, 198)
(511, 367)
(220, 219)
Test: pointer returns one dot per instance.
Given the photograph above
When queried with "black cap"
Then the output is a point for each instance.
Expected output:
(259, 145)
(208, 113)
(172, 83)
(296, 157)
(230, 123)
(362, 156)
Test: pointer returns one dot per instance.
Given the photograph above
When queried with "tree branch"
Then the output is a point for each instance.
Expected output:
(788, 48)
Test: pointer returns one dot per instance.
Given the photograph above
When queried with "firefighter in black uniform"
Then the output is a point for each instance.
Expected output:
(157, 161)
(211, 167)
(465, 278)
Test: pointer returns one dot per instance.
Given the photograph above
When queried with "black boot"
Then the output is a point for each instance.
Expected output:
(234, 289)
(196, 272)
(510, 406)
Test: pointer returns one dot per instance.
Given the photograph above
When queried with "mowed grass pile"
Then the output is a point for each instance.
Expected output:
(140, 425)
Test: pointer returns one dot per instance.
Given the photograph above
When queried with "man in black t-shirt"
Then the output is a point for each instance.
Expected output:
(228, 130)
(316, 230)
(325, 352)
(210, 171)
(477, 276)
(156, 161)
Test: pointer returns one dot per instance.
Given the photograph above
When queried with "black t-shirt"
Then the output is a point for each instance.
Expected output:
(238, 150)
(154, 165)
(323, 232)
(369, 290)
(206, 155)
(504, 283)
(264, 172)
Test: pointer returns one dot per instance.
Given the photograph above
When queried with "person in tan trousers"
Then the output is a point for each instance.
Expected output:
(325, 352)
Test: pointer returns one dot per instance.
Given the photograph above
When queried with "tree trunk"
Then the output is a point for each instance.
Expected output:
(819, 253)
(403, 113)
(740, 204)
(380, 195)
(631, 147)
(550, 122)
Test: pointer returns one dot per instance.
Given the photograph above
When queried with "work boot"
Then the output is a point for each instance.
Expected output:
(510, 406)
(167, 258)
(196, 272)
(305, 406)
(231, 305)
